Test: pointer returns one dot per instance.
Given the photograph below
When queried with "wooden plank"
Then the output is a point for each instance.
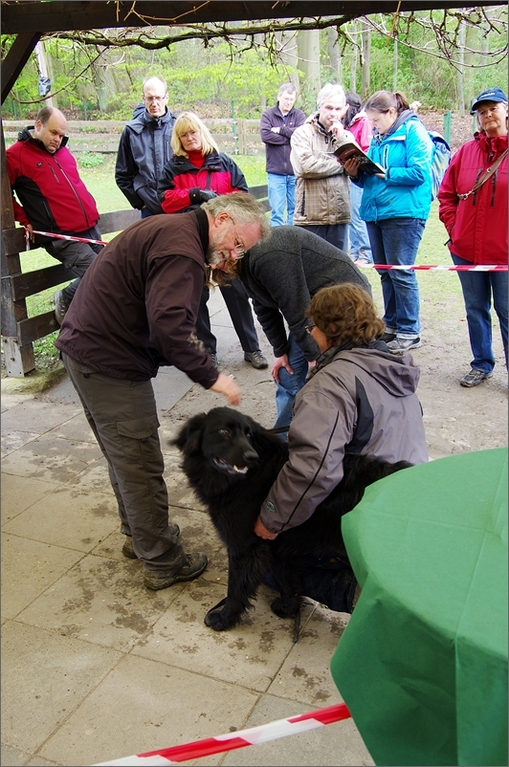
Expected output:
(18, 55)
(37, 327)
(118, 220)
(30, 283)
(61, 15)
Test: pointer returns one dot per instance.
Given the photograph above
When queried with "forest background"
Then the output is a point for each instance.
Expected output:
(441, 58)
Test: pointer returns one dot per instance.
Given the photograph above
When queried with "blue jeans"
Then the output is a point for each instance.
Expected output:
(478, 288)
(281, 197)
(289, 385)
(357, 232)
(396, 241)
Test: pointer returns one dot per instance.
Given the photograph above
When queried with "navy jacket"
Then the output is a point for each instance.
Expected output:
(143, 151)
(277, 145)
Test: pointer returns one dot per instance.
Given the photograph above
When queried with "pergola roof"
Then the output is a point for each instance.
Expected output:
(59, 15)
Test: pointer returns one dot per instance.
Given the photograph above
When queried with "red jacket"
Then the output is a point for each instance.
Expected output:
(218, 173)
(49, 187)
(477, 226)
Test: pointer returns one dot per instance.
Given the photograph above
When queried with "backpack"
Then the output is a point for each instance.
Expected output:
(440, 160)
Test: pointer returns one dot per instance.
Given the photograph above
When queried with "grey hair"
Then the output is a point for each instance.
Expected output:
(330, 90)
(286, 88)
(242, 207)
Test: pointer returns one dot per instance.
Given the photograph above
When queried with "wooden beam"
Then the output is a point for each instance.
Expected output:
(18, 55)
(59, 15)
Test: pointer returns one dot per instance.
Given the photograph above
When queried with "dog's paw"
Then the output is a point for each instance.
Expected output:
(219, 620)
(285, 609)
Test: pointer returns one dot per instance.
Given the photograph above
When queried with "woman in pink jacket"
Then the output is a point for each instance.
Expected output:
(475, 216)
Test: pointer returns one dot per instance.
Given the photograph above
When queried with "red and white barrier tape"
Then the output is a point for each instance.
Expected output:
(440, 267)
(61, 237)
(249, 737)
(414, 267)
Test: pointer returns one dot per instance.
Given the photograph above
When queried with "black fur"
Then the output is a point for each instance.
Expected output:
(231, 462)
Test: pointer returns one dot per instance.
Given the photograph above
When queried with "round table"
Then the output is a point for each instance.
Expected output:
(422, 664)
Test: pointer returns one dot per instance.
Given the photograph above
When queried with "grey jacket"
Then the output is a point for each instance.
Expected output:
(363, 401)
(282, 274)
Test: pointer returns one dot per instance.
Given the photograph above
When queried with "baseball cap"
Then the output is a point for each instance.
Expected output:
(493, 94)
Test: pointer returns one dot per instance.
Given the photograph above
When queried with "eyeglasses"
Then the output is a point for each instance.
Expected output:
(151, 99)
(239, 247)
(310, 328)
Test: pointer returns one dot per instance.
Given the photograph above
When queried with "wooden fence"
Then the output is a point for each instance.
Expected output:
(102, 136)
(19, 331)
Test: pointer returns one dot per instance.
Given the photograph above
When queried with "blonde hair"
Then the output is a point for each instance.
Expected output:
(346, 312)
(188, 121)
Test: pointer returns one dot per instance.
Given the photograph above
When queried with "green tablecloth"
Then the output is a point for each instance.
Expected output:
(422, 664)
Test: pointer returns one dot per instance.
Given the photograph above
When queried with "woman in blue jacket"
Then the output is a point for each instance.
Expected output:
(395, 206)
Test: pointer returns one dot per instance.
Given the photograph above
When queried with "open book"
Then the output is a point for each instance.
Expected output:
(351, 149)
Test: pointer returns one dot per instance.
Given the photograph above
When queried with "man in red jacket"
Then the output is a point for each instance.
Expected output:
(53, 198)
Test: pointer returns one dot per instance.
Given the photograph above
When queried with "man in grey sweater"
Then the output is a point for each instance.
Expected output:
(281, 275)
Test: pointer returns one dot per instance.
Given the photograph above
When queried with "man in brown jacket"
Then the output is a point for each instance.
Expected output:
(322, 198)
(135, 310)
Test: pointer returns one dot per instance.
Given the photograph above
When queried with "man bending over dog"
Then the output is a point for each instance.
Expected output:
(360, 400)
(135, 310)
(281, 275)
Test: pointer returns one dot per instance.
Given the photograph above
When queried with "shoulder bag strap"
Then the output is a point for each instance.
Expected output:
(486, 175)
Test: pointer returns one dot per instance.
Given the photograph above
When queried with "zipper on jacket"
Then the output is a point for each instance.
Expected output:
(64, 174)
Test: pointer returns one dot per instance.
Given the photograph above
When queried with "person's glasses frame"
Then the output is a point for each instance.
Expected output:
(151, 99)
(239, 247)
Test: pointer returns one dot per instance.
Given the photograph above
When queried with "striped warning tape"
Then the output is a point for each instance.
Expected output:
(412, 267)
(249, 737)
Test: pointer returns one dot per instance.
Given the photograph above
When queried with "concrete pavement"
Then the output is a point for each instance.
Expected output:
(96, 667)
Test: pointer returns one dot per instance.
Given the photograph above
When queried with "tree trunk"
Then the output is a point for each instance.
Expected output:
(289, 55)
(353, 68)
(461, 69)
(395, 66)
(336, 60)
(309, 65)
(366, 62)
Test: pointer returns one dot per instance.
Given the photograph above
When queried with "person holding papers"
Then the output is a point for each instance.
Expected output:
(395, 206)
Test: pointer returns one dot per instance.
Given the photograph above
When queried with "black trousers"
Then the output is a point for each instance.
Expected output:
(239, 309)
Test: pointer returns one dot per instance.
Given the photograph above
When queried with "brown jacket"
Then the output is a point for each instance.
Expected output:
(322, 194)
(137, 303)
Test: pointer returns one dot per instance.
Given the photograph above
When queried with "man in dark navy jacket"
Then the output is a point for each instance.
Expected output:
(144, 148)
(276, 128)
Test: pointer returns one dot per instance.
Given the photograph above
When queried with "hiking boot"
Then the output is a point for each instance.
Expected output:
(194, 566)
(388, 336)
(128, 548)
(60, 306)
(256, 359)
(402, 345)
(475, 377)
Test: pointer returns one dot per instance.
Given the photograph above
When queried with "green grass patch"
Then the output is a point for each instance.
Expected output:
(440, 291)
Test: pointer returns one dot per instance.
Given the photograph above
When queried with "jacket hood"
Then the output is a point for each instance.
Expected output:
(142, 118)
(26, 135)
(397, 375)
(406, 114)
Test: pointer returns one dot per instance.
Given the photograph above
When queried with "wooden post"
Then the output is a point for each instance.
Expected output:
(19, 360)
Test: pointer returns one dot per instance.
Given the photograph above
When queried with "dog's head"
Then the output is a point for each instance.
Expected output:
(223, 436)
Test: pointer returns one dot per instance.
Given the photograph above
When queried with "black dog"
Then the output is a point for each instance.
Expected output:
(231, 462)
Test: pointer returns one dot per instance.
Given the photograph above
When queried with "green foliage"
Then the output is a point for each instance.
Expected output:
(90, 160)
